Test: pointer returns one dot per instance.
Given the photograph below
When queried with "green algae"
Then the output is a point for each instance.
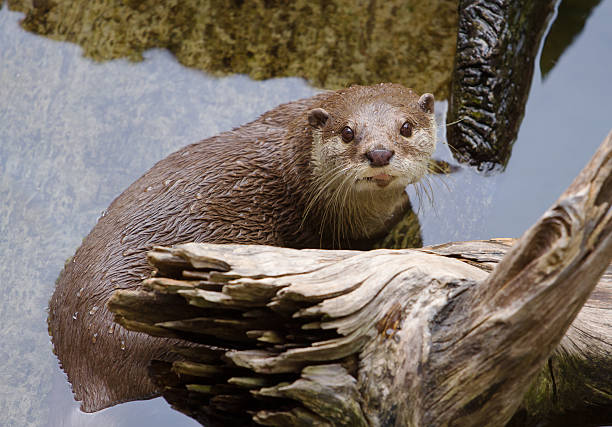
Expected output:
(332, 44)
(571, 389)
(405, 234)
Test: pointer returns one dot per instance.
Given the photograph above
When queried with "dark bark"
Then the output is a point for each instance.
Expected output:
(497, 43)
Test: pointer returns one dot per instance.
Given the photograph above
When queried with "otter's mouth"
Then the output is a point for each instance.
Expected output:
(382, 179)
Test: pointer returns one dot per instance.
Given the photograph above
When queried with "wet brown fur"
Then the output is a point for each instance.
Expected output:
(249, 185)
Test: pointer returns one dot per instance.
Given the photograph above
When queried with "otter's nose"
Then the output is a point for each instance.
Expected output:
(379, 157)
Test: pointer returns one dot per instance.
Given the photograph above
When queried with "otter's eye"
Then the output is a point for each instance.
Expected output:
(406, 129)
(347, 134)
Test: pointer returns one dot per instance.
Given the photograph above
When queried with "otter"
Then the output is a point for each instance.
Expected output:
(329, 171)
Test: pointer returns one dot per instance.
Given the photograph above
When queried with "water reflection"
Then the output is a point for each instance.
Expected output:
(64, 412)
(331, 43)
(567, 26)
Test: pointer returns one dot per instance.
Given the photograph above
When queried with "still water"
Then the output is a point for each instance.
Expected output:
(74, 134)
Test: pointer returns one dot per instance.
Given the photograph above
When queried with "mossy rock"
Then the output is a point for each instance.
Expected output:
(332, 44)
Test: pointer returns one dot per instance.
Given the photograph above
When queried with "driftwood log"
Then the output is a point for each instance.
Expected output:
(469, 333)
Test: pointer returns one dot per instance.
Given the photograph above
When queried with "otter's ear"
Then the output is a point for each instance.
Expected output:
(426, 103)
(318, 117)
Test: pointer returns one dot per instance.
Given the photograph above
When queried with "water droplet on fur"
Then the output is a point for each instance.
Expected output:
(94, 338)
(167, 182)
(111, 329)
(73, 260)
(185, 153)
(74, 316)
(79, 292)
(103, 214)
(93, 310)
(122, 345)
(199, 196)
(123, 239)
(149, 188)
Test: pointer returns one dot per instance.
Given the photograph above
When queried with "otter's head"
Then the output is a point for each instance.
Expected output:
(376, 138)
(369, 143)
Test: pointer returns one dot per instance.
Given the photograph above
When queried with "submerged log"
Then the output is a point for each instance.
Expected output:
(497, 43)
(446, 335)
